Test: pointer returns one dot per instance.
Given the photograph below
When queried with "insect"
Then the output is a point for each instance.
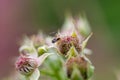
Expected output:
(55, 40)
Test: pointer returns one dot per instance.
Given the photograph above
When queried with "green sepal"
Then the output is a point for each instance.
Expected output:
(72, 52)
(74, 34)
(42, 50)
(34, 76)
(76, 75)
(84, 43)
(90, 71)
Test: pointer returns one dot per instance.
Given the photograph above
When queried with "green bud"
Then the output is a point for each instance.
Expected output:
(38, 40)
(41, 50)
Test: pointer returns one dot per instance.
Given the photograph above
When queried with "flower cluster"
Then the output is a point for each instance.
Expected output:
(62, 57)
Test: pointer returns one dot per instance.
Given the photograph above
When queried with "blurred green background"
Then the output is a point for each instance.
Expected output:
(19, 17)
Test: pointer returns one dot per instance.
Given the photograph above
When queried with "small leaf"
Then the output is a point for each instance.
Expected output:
(43, 57)
(90, 71)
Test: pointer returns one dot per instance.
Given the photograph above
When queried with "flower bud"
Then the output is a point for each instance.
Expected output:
(83, 26)
(26, 50)
(38, 40)
(66, 42)
(42, 50)
(26, 65)
(82, 64)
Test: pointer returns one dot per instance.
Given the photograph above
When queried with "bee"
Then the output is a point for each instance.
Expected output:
(55, 40)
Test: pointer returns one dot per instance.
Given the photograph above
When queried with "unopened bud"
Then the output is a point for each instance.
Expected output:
(41, 50)
(26, 50)
(83, 25)
(38, 40)
(26, 65)
(82, 64)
